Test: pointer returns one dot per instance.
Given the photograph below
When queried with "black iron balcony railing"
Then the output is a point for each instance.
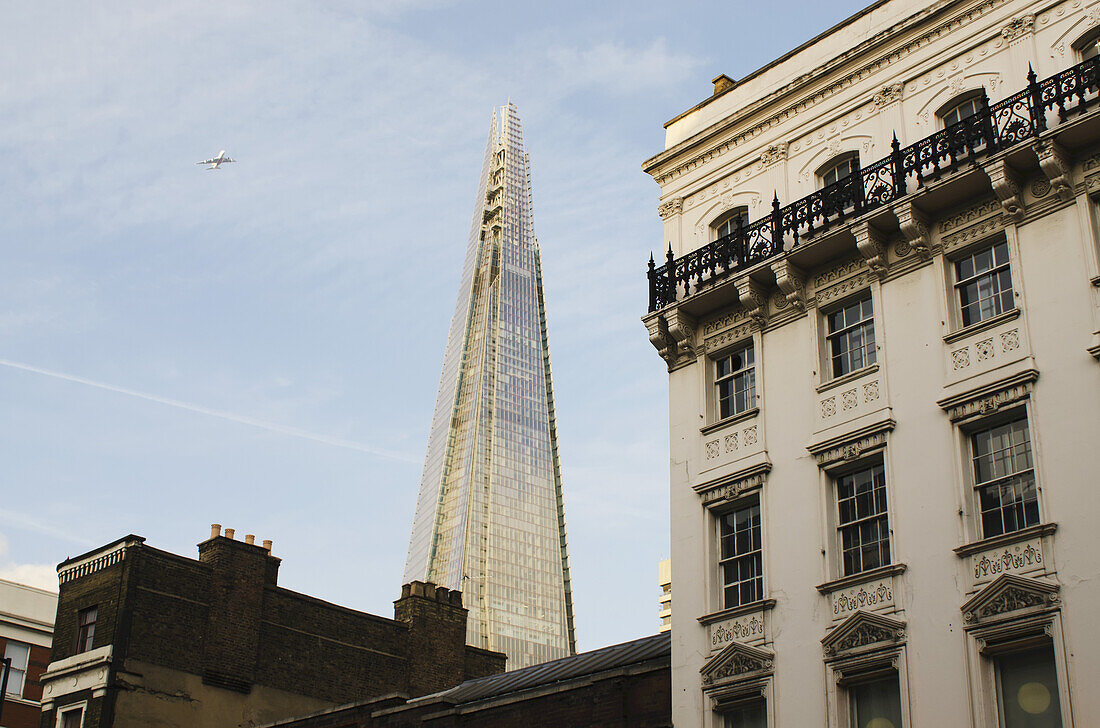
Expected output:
(1006, 123)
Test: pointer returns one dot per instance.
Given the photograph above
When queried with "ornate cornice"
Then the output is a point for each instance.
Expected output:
(791, 281)
(882, 62)
(889, 94)
(1056, 166)
(871, 244)
(851, 445)
(860, 630)
(1018, 27)
(1006, 183)
(914, 226)
(734, 661)
(753, 297)
(1010, 593)
(990, 398)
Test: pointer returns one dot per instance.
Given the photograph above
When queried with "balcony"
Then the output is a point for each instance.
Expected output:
(1000, 130)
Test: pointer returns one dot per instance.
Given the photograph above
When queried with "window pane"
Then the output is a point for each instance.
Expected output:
(742, 572)
(1028, 689)
(747, 715)
(72, 718)
(18, 653)
(862, 520)
(876, 704)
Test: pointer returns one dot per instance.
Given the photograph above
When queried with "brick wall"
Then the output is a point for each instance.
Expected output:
(223, 617)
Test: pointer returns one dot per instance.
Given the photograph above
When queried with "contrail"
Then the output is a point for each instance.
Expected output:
(240, 419)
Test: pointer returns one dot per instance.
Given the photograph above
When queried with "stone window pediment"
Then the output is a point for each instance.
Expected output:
(736, 662)
(1008, 597)
(863, 632)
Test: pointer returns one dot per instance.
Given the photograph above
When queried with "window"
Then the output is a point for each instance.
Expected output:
(958, 109)
(861, 519)
(838, 169)
(71, 718)
(1088, 45)
(1004, 477)
(740, 556)
(727, 224)
(875, 703)
(1027, 689)
(984, 284)
(18, 653)
(851, 337)
(85, 634)
(748, 714)
(735, 382)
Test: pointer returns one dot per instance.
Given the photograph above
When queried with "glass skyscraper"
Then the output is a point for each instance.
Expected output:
(489, 519)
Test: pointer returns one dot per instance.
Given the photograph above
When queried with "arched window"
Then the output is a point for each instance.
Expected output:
(838, 168)
(960, 107)
(1088, 45)
(727, 223)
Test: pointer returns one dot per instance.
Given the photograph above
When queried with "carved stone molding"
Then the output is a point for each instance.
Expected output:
(660, 338)
(1057, 167)
(731, 487)
(1018, 27)
(990, 398)
(887, 95)
(914, 226)
(862, 630)
(871, 244)
(852, 445)
(969, 215)
(1010, 593)
(670, 208)
(736, 661)
(1007, 186)
(754, 299)
(724, 321)
(774, 153)
(974, 232)
(791, 281)
(681, 327)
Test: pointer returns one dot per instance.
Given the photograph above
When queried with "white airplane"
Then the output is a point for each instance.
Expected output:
(217, 161)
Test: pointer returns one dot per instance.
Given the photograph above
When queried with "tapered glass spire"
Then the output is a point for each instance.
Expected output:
(489, 518)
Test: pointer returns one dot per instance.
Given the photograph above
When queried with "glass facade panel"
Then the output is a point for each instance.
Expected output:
(876, 704)
(1005, 478)
(851, 337)
(741, 556)
(984, 284)
(735, 382)
(862, 520)
(489, 519)
(18, 653)
(1027, 688)
(746, 715)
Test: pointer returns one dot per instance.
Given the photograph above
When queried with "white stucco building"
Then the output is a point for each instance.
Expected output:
(880, 310)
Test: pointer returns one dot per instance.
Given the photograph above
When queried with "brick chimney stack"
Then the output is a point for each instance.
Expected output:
(240, 572)
(437, 636)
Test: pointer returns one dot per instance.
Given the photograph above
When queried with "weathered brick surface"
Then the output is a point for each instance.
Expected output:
(224, 618)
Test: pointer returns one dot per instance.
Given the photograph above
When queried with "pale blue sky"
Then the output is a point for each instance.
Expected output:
(260, 346)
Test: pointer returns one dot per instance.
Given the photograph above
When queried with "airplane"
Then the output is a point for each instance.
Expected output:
(217, 161)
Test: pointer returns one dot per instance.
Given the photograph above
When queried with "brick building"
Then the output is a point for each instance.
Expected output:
(26, 627)
(618, 686)
(146, 637)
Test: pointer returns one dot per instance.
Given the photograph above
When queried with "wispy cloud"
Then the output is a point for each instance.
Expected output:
(230, 416)
(42, 576)
(26, 522)
(621, 69)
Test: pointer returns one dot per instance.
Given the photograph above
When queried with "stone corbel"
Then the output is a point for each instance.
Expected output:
(660, 338)
(681, 327)
(670, 208)
(871, 245)
(791, 281)
(1006, 185)
(914, 226)
(754, 299)
(1056, 165)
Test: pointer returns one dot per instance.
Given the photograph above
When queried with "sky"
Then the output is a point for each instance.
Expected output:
(260, 346)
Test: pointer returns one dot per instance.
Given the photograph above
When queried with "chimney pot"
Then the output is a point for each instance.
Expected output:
(229, 532)
(267, 544)
(722, 82)
(215, 530)
(250, 539)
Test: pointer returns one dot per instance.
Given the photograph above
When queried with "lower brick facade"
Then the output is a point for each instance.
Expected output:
(216, 642)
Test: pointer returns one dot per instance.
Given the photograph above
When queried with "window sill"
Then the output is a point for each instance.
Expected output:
(1004, 539)
(737, 611)
(845, 378)
(739, 417)
(22, 701)
(981, 326)
(869, 575)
